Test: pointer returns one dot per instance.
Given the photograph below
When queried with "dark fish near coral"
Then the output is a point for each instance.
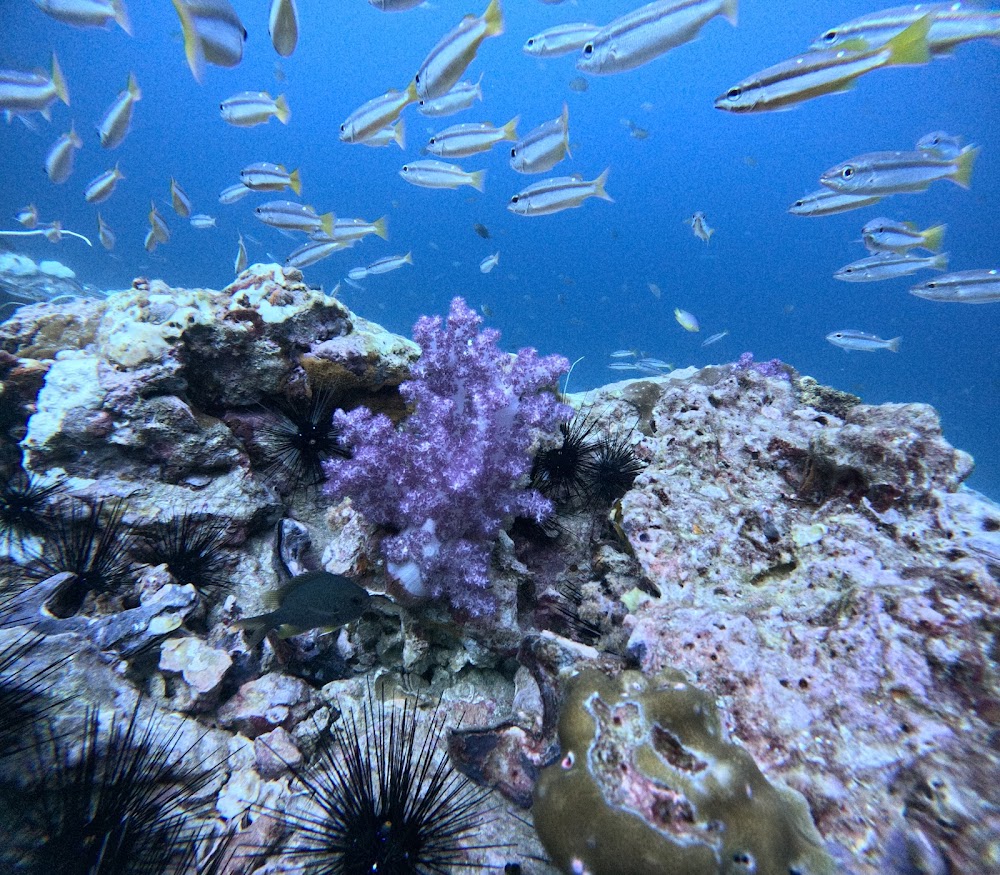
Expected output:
(481, 230)
(314, 600)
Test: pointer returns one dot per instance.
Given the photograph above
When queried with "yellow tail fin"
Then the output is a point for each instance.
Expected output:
(295, 181)
(281, 109)
(399, 134)
(729, 12)
(192, 42)
(478, 180)
(121, 16)
(133, 87)
(58, 81)
(933, 237)
(963, 166)
(599, 190)
(381, 227)
(510, 129)
(493, 16)
(909, 46)
(326, 220)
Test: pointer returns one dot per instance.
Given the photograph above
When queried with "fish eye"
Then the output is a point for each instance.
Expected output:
(588, 49)
(931, 285)
(513, 152)
(433, 140)
(847, 172)
(514, 199)
(829, 36)
(733, 93)
(416, 78)
(531, 41)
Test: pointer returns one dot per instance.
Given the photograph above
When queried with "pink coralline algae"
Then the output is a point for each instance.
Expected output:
(452, 475)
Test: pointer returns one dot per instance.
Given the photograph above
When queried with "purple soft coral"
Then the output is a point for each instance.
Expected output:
(450, 476)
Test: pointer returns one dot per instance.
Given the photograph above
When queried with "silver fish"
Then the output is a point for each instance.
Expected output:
(315, 250)
(447, 61)
(941, 144)
(59, 161)
(102, 186)
(557, 194)
(87, 13)
(374, 115)
(28, 216)
(461, 96)
(115, 124)
(240, 264)
(849, 339)
(394, 133)
(700, 228)
(490, 262)
(827, 202)
(889, 265)
(105, 234)
(544, 147)
(234, 193)
(461, 141)
(264, 176)
(349, 230)
(161, 233)
(715, 338)
(563, 39)
(213, 33)
(179, 199)
(283, 26)
(883, 173)
(202, 222)
(250, 108)
(291, 216)
(389, 263)
(963, 287)
(887, 235)
(438, 174)
(32, 92)
(646, 33)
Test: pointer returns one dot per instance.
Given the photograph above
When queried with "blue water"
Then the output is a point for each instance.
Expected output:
(576, 282)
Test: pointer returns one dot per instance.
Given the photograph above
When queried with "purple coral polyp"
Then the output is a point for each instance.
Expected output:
(451, 476)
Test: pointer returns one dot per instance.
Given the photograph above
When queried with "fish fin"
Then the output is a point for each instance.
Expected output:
(121, 16)
(74, 137)
(133, 87)
(408, 258)
(963, 166)
(326, 220)
(399, 134)
(729, 11)
(381, 227)
(192, 42)
(893, 345)
(510, 129)
(411, 93)
(599, 190)
(479, 88)
(940, 262)
(909, 46)
(477, 180)
(933, 237)
(493, 17)
(58, 81)
(256, 628)
(281, 109)
(295, 181)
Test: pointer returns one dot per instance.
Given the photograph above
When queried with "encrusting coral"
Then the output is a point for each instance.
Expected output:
(450, 477)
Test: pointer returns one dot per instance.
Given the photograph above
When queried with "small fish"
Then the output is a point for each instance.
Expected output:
(87, 13)
(563, 39)
(963, 287)
(578, 84)
(315, 250)
(827, 202)
(114, 125)
(161, 233)
(59, 161)
(105, 234)
(373, 116)
(544, 147)
(250, 108)
(884, 173)
(653, 366)
(656, 291)
(887, 235)
(700, 227)
(213, 33)
(447, 61)
(389, 263)
(240, 264)
(951, 24)
(460, 141)
(179, 200)
(813, 74)
(715, 338)
(28, 216)
(438, 174)
(889, 265)
(264, 176)
(557, 194)
(490, 262)
(32, 92)
(53, 231)
(481, 230)
(350, 230)
(623, 366)
(643, 34)
(687, 321)
(283, 26)
(314, 600)
(291, 216)
(624, 353)
(940, 144)
(634, 131)
(234, 193)
(101, 187)
(849, 339)
(394, 133)
(460, 97)
(150, 242)
(395, 5)
(202, 222)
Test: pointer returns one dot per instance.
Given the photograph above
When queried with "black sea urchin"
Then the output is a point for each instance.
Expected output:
(559, 472)
(300, 436)
(192, 546)
(24, 505)
(613, 468)
(24, 691)
(111, 803)
(387, 801)
(94, 547)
